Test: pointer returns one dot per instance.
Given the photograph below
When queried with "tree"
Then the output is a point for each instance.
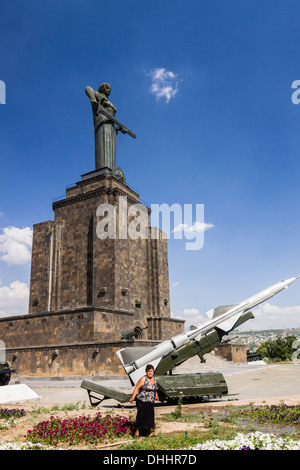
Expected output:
(279, 349)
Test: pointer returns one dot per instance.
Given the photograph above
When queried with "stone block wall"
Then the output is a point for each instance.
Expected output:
(85, 291)
(40, 266)
(81, 361)
(232, 352)
(73, 268)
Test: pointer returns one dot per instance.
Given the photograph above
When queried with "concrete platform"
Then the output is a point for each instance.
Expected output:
(16, 394)
(246, 382)
(278, 381)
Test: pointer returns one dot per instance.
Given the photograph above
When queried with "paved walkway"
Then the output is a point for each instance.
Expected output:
(273, 381)
(246, 382)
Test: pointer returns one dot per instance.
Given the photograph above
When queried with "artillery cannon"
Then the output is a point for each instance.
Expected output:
(135, 333)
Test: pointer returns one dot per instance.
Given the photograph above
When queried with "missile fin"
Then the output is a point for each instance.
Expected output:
(119, 354)
(138, 373)
(216, 312)
(229, 323)
(128, 355)
(210, 313)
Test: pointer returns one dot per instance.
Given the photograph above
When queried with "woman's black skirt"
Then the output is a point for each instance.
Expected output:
(145, 414)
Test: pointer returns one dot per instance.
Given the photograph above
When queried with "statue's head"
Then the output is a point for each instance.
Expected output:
(105, 88)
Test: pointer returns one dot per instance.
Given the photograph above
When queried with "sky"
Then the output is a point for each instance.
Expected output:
(209, 88)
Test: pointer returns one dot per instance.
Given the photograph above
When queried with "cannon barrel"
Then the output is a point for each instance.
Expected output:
(125, 335)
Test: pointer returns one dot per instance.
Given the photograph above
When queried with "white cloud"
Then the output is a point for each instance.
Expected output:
(195, 227)
(268, 316)
(164, 84)
(190, 311)
(269, 309)
(191, 316)
(14, 299)
(15, 244)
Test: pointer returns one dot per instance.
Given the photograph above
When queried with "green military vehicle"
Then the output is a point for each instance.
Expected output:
(253, 355)
(5, 373)
(191, 387)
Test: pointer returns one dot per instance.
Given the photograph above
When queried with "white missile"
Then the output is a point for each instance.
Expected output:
(223, 318)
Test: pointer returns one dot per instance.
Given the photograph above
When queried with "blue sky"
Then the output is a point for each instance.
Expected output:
(221, 130)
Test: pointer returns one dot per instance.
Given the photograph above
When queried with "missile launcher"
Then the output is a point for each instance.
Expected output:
(198, 340)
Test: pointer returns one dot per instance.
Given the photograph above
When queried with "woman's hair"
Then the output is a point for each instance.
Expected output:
(149, 366)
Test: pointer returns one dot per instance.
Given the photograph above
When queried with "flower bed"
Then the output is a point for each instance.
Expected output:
(6, 413)
(81, 430)
(252, 441)
(8, 417)
(277, 414)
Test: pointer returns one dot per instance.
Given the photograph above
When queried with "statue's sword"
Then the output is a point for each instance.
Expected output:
(123, 128)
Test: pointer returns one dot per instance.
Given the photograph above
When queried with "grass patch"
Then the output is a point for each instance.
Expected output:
(62, 426)
(178, 440)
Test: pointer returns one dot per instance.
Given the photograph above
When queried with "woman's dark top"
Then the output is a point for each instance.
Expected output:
(148, 391)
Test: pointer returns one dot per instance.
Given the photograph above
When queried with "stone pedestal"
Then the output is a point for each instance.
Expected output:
(86, 288)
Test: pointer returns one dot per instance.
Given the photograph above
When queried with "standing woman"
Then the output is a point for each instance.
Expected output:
(145, 394)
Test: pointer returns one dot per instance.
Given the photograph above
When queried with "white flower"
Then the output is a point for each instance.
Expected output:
(24, 446)
(256, 440)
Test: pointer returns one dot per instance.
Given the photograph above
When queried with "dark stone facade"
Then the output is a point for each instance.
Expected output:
(232, 352)
(85, 291)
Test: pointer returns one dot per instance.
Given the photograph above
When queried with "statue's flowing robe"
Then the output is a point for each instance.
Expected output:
(105, 134)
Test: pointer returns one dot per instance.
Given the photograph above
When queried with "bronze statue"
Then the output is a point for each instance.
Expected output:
(105, 131)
